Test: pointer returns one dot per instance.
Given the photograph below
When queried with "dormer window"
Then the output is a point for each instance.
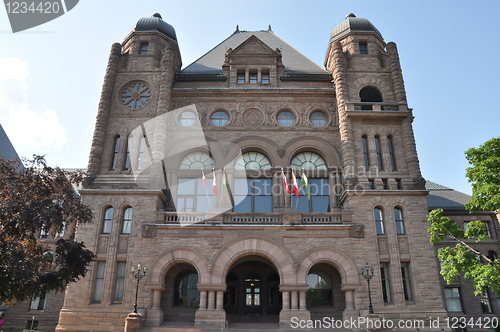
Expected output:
(144, 48)
(363, 48)
(241, 76)
(253, 77)
(265, 76)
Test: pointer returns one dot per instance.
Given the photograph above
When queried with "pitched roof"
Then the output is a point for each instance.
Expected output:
(442, 197)
(294, 61)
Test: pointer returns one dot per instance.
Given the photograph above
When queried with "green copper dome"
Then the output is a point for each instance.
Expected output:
(155, 23)
(353, 24)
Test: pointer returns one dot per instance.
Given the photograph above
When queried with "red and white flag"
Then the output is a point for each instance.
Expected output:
(295, 186)
(204, 179)
(285, 182)
(214, 187)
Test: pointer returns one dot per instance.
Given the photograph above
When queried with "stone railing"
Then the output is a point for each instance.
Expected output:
(370, 106)
(234, 218)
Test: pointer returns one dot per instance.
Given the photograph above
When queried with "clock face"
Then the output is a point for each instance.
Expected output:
(136, 95)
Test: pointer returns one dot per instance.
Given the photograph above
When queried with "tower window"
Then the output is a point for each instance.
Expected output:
(370, 94)
(379, 153)
(144, 48)
(241, 76)
(398, 219)
(386, 283)
(366, 156)
(453, 299)
(363, 48)
(253, 77)
(115, 153)
(392, 157)
(379, 221)
(265, 76)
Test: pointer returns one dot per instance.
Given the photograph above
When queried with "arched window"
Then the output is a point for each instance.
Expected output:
(142, 149)
(398, 220)
(370, 94)
(379, 153)
(186, 292)
(379, 221)
(197, 160)
(108, 219)
(392, 157)
(320, 289)
(116, 150)
(127, 220)
(126, 163)
(308, 161)
(252, 161)
(366, 155)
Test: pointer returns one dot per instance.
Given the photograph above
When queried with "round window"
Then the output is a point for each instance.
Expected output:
(286, 118)
(318, 119)
(188, 118)
(135, 95)
(219, 118)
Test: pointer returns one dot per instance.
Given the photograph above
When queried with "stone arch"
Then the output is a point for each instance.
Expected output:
(174, 256)
(376, 82)
(229, 254)
(312, 144)
(258, 144)
(344, 264)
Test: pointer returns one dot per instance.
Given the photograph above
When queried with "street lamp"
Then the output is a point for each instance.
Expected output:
(367, 273)
(138, 275)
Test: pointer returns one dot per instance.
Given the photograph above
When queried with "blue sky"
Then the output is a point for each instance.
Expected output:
(51, 75)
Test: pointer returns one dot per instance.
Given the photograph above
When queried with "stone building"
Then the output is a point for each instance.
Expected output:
(458, 296)
(187, 176)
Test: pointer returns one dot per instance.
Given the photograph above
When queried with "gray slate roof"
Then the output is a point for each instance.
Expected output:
(441, 197)
(294, 61)
(7, 150)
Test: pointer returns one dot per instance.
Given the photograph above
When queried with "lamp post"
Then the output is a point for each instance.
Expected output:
(367, 273)
(138, 275)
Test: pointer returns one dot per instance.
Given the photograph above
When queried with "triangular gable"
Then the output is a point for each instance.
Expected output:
(253, 46)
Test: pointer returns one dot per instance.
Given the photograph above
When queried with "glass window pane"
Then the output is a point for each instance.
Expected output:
(188, 118)
(261, 187)
(318, 119)
(263, 204)
(186, 187)
(245, 205)
(286, 118)
(320, 204)
(219, 118)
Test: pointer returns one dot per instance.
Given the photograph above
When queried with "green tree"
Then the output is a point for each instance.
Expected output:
(463, 258)
(484, 176)
(37, 198)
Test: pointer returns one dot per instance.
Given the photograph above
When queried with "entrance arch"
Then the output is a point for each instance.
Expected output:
(252, 288)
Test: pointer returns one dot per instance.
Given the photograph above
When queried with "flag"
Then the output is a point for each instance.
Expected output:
(295, 187)
(304, 183)
(214, 187)
(224, 184)
(285, 182)
(204, 179)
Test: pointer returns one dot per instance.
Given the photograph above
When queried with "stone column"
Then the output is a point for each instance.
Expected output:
(295, 299)
(203, 300)
(155, 314)
(220, 301)
(211, 300)
(303, 300)
(350, 307)
(286, 300)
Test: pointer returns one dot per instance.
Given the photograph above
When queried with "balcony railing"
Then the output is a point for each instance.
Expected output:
(234, 218)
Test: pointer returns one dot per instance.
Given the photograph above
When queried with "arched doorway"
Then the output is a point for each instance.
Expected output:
(252, 289)
(181, 298)
(324, 297)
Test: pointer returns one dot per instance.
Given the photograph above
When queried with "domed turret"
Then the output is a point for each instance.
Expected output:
(353, 24)
(155, 23)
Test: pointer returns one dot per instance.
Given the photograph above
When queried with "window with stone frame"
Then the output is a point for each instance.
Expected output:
(405, 274)
(127, 220)
(380, 161)
(453, 301)
(379, 220)
(366, 155)
(116, 151)
(144, 48)
(119, 282)
(98, 282)
(363, 48)
(39, 302)
(192, 196)
(107, 220)
(386, 282)
(253, 195)
(398, 220)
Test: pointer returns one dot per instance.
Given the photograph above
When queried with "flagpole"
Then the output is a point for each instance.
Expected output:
(222, 187)
(295, 183)
(283, 178)
(206, 190)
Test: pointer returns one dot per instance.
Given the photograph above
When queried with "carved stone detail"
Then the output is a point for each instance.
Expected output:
(253, 117)
(148, 230)
(357, 231)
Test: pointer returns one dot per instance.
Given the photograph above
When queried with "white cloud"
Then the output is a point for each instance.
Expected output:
(27, 127)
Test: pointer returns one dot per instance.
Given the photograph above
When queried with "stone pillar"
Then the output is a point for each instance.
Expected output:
(220, 301)
(133, 322)
(203, 300)
(350, 306)
(294, 295)
(286, 313)
(211, 317)
(211, 300)
(103, 112)
(155, 314)
(303, 300)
